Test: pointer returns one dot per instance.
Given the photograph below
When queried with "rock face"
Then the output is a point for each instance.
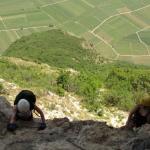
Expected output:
(61, 134)
(5, 107)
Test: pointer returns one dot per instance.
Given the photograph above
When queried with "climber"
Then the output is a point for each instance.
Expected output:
(140, 114)
(24, 104)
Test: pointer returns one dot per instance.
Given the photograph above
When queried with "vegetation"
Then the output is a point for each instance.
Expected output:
(26, 76)
(53, 47)
(1, 88)
(123, 85)
(126, 85)
(113, 84)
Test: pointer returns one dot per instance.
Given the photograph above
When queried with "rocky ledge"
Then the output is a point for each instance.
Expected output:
(62, 134)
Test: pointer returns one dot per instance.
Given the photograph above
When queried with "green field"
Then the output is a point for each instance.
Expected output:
(118, 29)
(145, 37)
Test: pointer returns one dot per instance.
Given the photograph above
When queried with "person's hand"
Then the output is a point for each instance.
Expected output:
(42, 126)
(11, 127)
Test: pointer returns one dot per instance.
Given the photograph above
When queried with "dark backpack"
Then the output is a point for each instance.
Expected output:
(28, 95)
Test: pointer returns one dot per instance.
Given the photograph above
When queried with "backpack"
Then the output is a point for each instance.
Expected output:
(28, 95)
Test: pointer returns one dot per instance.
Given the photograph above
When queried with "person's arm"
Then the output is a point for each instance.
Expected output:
(11, 126)
(43, 124)
(13, 117)
(40, 112)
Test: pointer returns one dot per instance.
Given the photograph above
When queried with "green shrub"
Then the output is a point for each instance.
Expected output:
(63, 80)
(60, 91)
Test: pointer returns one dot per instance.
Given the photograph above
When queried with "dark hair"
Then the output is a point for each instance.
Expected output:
(28, 95)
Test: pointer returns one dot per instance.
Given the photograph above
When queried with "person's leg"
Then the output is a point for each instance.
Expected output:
(17, 117)
(136, 121)
(131, 124)
(139, 120)
(148, 118)
(30, 118)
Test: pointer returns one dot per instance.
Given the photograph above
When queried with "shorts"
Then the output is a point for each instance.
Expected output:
(30, 118)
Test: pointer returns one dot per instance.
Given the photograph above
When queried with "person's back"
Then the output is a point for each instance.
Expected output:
(28, 95)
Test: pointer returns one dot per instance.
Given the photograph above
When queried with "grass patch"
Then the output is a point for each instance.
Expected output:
(26, 76)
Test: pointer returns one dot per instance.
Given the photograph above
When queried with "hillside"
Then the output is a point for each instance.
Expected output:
(53, 105)
(52, 98)
(88, 63)
(63, 134)
(55, 48)
(116, 29)
(81, 71)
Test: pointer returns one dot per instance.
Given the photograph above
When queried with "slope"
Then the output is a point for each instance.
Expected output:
(55, 48)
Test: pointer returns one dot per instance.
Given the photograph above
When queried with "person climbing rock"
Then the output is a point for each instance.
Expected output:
(140, 114)
(24, 104)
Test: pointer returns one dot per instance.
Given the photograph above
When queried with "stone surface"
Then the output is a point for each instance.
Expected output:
(61, 134)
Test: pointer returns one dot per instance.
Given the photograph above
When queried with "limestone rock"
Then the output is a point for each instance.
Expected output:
(63, 134)
(5, 107)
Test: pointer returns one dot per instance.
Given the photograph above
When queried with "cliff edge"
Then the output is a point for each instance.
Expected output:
(62, 134)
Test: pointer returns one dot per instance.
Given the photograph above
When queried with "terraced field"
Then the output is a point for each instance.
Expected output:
(118, 29)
